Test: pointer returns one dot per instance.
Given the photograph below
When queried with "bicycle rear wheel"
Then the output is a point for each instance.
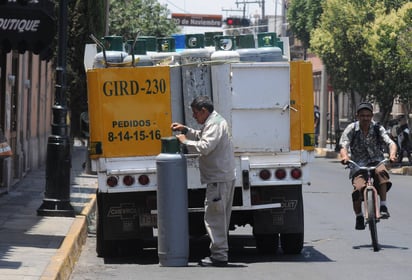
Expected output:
(372, 219)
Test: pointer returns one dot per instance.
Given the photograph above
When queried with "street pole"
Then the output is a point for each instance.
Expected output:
(324, 95)
(56, 200)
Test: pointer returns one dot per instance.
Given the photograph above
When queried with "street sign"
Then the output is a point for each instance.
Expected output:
(198, 20)
(25, 27)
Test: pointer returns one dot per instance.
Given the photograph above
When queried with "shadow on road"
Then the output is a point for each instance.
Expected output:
(242, 250)
(382, 247)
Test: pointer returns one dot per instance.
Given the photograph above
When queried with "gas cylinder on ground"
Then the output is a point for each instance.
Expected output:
(172, 205)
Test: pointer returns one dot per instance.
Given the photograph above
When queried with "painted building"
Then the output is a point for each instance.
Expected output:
(26, 96)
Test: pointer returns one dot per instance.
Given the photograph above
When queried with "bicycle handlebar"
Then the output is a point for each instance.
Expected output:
(367, 168)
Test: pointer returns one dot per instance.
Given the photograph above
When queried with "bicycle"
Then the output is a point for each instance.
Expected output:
(370, 199)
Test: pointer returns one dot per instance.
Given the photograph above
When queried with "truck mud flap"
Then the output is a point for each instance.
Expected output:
(286, 219)
(124, 216)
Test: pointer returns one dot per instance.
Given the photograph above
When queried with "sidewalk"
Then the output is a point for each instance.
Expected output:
(34, 247)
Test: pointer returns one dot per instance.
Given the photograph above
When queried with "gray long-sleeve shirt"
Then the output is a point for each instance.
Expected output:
(214, 144)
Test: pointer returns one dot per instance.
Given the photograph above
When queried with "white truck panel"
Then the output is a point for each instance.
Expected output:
(244, 101)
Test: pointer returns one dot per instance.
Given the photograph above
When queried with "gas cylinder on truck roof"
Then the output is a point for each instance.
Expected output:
(245, 44)
(194, 51)
(225, 49)
(270, 54)
(166, 52)
(111, 54)
(138, 53)
(109, 58)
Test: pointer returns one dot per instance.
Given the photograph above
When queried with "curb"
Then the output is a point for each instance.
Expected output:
(326, 153)
(62, 263)
(404, 170)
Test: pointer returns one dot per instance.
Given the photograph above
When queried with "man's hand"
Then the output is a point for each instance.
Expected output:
(344, 160)
(177, 126)
(344, 156)
(392, 152)
(182, 138)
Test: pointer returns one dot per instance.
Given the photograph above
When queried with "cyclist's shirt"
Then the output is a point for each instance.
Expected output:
(364, 149)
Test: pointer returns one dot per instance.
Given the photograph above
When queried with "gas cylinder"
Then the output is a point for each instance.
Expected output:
(172, 205)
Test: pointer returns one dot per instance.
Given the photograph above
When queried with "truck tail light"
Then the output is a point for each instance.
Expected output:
(112, 181)
(296, 173)
(264, 174)
(280, 174)
(128, 180)
(143, 180)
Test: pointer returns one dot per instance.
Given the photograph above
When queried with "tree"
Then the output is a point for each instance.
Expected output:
(85, 18)
(390, 46)
(127, 17)
(341, 40)
(303, 16)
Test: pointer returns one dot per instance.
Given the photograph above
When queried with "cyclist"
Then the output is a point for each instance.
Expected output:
(404, 144)
(364, 139)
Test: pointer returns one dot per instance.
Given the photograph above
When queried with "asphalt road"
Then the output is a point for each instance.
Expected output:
(332, 249)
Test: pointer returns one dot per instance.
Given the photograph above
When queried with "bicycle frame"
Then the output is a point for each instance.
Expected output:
(370, 200)
(370, 187)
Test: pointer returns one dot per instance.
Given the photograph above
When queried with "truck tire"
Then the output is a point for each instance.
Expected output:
(104, 248)
(291, 243)
(196, 225)
(267, 243)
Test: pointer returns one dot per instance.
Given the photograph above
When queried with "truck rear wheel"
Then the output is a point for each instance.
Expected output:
(104, 248)
(267, 243)
(291, 243)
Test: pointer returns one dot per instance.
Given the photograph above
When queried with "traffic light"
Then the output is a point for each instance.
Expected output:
(235, 21)
(26, 25)
(245, 22)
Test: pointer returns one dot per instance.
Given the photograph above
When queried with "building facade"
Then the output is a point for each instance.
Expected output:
(26, 96)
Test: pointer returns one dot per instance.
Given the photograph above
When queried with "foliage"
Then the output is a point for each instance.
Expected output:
(84, 18)
(303, 16)
(339, 42)
(390, 46)
(357, 57)
(127, 17)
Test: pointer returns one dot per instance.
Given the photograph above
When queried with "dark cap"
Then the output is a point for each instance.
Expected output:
(365, 105)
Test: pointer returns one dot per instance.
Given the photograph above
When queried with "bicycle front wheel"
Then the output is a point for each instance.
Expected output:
(370, 199)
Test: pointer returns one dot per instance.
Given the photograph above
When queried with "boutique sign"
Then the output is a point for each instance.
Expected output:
(28, 27)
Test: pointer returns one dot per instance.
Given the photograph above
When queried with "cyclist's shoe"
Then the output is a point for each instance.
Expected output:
(360, 223)
(384, 212)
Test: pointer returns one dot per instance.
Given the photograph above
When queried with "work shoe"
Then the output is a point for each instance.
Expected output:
(360, 223)
(384, 212)
(212, 262)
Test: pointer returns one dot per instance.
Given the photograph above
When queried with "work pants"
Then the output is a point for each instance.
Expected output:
(218, 208)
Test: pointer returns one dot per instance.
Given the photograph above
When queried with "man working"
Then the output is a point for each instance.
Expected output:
(217, 170)
(363, 139)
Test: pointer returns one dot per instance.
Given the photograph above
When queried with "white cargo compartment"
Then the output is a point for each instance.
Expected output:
(254, 98)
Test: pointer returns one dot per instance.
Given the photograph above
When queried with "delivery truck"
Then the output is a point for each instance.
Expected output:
(269, 108)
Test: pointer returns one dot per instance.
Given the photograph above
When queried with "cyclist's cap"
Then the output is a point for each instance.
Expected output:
(365, 105)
